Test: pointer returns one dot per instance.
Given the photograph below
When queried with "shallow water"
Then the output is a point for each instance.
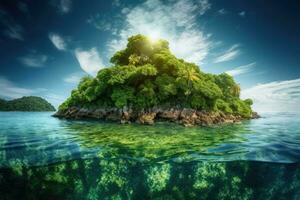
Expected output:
(48, 158)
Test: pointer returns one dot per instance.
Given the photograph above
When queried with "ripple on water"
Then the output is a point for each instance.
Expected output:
(38, 138)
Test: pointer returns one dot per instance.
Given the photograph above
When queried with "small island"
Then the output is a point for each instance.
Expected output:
(147, 83)
(30, 104)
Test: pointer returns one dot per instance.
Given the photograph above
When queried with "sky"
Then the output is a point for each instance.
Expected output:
(47, 46)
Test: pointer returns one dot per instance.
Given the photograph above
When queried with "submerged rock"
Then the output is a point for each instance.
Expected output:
(98, 178)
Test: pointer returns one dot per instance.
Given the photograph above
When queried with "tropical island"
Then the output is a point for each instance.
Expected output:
(147, 83)
(29, 103)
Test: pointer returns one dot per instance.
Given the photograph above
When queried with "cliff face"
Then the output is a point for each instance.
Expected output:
(186, 117)
(146, 77)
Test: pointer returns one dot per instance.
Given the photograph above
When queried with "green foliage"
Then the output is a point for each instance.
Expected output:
(122, 96)
(147, 74)
(146, 96)
(248, 102)
(120, 74)
(29, 103)
(222, 105)
(65, 104)
(2, 104)
(241, 107)
(167, 87)
(198, 101)
(227, 85)
(146, 70)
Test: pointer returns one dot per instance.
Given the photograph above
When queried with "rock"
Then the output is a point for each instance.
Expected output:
(204, 118)
(228, 121)
(170, 115)
(99, 114)
(125, 121)
(114, 115)
(82, 113)
(71, 112)
(147, 118)
(126, 115)
(188, 117)
(255, 115)
(59, 114)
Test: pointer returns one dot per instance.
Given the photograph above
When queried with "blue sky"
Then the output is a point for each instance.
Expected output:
(46, 47)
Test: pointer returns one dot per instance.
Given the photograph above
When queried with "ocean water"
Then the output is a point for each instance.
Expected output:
(42, 157)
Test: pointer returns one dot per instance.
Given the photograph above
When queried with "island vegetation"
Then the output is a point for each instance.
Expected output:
(30, 103)
(147, 83)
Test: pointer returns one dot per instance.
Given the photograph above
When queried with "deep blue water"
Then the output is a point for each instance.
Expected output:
(135, 161)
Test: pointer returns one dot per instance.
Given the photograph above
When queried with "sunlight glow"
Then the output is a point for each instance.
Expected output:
(154, 35)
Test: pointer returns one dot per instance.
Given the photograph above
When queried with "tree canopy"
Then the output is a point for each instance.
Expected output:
(146, 74)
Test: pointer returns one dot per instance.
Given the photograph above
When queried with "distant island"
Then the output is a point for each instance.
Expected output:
(147, 83)
(30, 103)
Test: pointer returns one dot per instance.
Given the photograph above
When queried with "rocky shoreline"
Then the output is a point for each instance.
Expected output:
(184, 116)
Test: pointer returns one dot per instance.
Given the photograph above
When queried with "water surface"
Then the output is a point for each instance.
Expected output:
(38, 138)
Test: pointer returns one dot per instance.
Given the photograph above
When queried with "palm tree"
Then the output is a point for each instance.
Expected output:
(235, 90)
(188, 74)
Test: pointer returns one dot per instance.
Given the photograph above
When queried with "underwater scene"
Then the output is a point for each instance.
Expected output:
(42, 157)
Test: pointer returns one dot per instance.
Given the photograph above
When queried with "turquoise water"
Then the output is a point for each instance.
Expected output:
(48, 158)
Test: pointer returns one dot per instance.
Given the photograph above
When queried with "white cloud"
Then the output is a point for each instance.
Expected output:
(222, 11)
(65, 6)
(229, 54)
(278, 96)
(58, 41)
(204, 6)
(74, 78)
(14, 31)
(241, 69)
(175, 21)
(89, 60)
(242, 14)
(9, 90)
(54, 99)
(100, 22)
(11, 29)
(34, 60)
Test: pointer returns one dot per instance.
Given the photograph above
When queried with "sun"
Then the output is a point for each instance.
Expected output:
(154, 35)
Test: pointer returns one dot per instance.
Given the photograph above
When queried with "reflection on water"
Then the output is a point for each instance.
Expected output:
(162, 141)
(47, 158)
(38, 139)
